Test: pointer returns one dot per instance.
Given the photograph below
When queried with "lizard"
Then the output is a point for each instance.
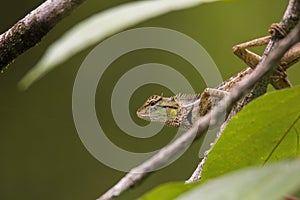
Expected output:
(183, 110)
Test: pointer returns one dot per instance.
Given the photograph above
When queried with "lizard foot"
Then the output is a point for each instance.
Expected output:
(280, 78)
(280, 73)
(277, 77)
(278, 30)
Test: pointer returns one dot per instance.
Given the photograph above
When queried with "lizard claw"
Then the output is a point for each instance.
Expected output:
(280, 73)
(278, 30)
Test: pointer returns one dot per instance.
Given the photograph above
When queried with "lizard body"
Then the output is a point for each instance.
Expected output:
(184, 110)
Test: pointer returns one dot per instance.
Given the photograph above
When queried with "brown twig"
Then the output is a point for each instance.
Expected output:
(32, 28)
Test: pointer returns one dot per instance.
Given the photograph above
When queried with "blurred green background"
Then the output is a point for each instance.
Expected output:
(41, 154)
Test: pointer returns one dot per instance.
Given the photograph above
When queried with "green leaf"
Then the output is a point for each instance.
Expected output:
(265, 130)
(167, 191)
(98, 27)
(272, 182)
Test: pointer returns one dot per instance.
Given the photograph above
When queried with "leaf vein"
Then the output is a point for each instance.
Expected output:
(282, 138)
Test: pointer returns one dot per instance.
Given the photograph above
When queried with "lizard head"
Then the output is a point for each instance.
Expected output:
(160, 109)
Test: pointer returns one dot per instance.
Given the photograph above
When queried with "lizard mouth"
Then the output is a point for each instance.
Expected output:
(148, 117)
(143, 115)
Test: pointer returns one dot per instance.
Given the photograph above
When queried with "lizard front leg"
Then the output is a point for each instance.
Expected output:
(210, 97)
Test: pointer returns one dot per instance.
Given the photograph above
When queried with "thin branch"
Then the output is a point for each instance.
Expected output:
(164, 155)
(289, 20)
(32, 28)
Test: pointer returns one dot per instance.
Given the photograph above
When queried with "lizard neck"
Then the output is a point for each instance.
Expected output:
(189, 115)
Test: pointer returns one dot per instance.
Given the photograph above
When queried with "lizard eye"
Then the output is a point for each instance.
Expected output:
(152, 103)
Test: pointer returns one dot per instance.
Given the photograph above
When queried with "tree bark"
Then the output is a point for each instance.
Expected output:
(28, 31)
